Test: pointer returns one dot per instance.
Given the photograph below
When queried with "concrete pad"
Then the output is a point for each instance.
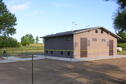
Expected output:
(38, 57)
(16, 59)
(83, 59)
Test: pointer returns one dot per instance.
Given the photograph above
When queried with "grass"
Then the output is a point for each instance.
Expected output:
(24, 50)
(122, 52)
(123, 45)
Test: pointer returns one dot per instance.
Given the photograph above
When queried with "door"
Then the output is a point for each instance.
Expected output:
(83, 47)
(110, 47)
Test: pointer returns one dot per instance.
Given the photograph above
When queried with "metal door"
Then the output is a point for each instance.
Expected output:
(110, 47)
(83, 47)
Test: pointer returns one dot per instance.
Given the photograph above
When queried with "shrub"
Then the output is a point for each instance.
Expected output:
(8, 42)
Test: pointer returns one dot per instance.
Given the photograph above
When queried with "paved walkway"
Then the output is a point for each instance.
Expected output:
(15, 59)
(38, 57)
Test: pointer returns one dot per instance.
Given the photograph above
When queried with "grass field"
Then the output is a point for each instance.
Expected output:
(27, 50)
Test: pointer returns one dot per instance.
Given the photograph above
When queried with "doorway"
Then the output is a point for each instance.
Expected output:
(111, 47)
(83, 47)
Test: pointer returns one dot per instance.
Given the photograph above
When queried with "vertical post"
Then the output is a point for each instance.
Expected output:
(5, 53)
(73, 25)
(32, 69)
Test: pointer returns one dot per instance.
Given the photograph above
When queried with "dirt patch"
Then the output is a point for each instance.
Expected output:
(60, 72)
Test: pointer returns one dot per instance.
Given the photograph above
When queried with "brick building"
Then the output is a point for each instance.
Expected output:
(89, 42)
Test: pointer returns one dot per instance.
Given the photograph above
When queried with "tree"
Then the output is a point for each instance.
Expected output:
(120, 18)
(122, 3)
(123, 37)
(37, 39)
(120, 22)
(8, 42)
(7, 21)
(27, 39)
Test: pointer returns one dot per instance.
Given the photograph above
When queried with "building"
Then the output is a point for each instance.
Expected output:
(90, 42)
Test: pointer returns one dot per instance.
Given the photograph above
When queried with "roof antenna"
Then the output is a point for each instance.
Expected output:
(74, 25)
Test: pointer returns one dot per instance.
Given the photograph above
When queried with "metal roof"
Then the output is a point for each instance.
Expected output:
(77, 31)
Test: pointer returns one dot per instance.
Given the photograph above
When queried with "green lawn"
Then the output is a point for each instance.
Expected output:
(122, 53)
(28, 50)
(123, 45)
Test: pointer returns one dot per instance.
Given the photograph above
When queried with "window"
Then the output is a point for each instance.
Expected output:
(61, 52)
(96, 31)
(102, 31)
(51, 52)
(94, 39)
(107, 32)
(68, 53)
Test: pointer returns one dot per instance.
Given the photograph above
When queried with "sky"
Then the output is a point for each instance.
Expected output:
(43, 17)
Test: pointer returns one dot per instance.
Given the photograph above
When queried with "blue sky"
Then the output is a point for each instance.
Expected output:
(42, 17)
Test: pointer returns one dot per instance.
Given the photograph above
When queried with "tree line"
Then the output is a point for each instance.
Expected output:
(29, 39)
(12, 42)
(7, 29)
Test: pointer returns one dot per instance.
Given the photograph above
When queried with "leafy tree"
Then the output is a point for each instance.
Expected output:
(24, 41)
(27, 39)
(123, 37)
(8, 42)
(7, 21)
(120, 18)
(120, 22)
(37, 39)
(122, 3)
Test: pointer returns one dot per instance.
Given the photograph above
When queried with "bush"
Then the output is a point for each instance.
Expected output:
(8, 42)
(123, 45)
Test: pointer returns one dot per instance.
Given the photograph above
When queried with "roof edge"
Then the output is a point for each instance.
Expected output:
(80, 31)
(98, 28)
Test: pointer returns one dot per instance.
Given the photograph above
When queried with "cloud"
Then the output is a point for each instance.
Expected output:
(20, 7)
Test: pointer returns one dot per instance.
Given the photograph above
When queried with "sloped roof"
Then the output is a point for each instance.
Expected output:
(78, 31)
